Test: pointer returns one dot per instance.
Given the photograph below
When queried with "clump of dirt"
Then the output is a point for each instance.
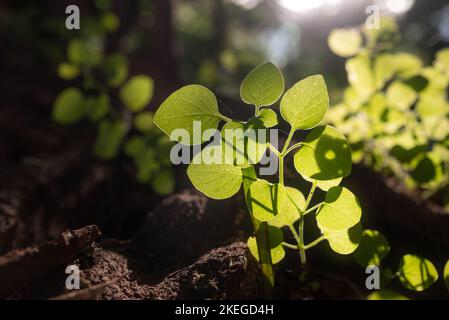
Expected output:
(184, 226)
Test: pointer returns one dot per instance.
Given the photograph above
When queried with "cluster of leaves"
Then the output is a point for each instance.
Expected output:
(323, 158)
(116, 103)
(395, 111)
(414, 272)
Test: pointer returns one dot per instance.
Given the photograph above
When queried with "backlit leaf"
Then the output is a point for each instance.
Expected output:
(304, 105)
(340, 211)
(417, 273)
(263, 86)
(325, 155)
(216, 180)
(373, 248)
(266, 200)
(186, 106)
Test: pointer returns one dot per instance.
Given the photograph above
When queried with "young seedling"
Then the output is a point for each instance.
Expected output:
(123, 124)
(395, 111)
(323, 158)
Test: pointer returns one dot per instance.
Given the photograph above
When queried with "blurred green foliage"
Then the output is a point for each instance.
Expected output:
(395, 110)
(103, 93)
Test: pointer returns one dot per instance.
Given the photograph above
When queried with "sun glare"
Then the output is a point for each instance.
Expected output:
(302, 6)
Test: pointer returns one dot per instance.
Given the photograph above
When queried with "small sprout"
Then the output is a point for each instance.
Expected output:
(323, 158)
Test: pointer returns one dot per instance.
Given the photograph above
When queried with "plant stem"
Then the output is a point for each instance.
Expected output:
(287, 142)
(282, 155)
(315, 242)
(293, 147)
(281, 170)
(256, 111)
(313, 208)
(302, 251)
(290, 246)
(310, 196)
(301, 224)
(273, 149)
(222, 117)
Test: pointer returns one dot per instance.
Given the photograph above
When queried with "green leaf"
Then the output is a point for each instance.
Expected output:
(304, 105)
(137, 93)
(442, 60)
(340, 211)
(68, 71)
(144, 121)
(386, 294)
(294, 204)
(110, 136)
(373, 248)
(263, 86)
(85, 52)
(432, 106)
(97, 107)
(268, 117)
(446, 275)
(417, 273)
(115, 67)
(383, 69)
(324, 155)
(275, 237)
(183, 107)
(407, 64)
(243, 141)
(265, 199)
(360, 76)
(163, 182)
(345, 42)
(217, 181)
(69, 106)
(400, 96)
(344, 241)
